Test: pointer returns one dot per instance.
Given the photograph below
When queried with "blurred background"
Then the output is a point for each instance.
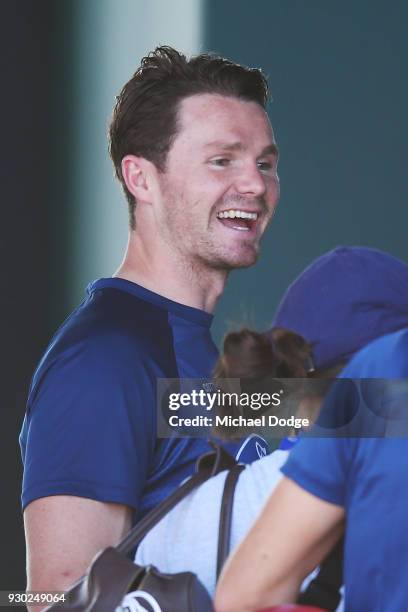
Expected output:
(339, 110)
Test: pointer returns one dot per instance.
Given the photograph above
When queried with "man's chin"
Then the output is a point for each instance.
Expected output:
(235, 261)
(246, 262)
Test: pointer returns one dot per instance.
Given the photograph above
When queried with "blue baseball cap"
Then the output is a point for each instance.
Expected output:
(343, 300)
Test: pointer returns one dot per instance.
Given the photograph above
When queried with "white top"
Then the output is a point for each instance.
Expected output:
(186, 539)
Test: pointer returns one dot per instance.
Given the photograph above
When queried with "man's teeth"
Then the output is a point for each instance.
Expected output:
(240, 214)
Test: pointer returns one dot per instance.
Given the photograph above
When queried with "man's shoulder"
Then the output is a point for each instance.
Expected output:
(115, 322)
(114, 333)
(115, 311)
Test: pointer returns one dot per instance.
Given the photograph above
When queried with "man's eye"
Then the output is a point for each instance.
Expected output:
(265, 165)
(220, 161)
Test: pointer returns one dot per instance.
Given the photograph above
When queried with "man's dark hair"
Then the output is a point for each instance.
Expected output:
(144, 121)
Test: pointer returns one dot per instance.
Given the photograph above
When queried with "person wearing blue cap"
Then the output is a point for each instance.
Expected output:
(330, 480)
(343, 300)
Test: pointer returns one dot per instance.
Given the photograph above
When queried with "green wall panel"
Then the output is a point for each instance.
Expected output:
(337, 72)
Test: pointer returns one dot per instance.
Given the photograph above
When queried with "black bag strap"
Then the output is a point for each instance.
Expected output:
(224, 530)
(207, 465)
(323, 591)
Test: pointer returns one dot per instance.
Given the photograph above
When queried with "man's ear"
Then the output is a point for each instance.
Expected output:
(138, 174)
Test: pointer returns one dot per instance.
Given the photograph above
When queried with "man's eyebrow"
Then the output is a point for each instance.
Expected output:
(225, 146)
(271, 149)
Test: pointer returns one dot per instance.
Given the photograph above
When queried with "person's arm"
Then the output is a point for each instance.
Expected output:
(64, 533)
(88, 440)
(293, 533)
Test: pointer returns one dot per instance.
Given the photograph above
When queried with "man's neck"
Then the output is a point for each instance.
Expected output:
(197, 285)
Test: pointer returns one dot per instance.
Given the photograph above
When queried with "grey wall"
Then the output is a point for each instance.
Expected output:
(337, 72)
(110, 37)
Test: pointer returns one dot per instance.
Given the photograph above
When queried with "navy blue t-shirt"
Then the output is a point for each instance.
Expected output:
(369, 478)
(90, 425)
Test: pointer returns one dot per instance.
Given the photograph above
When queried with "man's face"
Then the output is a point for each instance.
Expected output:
(220, 186)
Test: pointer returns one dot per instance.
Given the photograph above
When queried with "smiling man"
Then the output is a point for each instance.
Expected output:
(194, 150)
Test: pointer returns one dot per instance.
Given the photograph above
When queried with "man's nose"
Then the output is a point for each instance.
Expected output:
(250, 181)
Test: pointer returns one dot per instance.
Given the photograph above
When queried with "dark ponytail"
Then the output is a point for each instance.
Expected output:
(293, 353)
(249, 354)
(256, 359)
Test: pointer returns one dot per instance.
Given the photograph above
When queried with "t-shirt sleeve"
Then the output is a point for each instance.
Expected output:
(89, 430)
(324, 465)
(320, 462)
(319, 465)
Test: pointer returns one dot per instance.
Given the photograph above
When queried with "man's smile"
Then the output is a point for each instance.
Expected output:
(238, 219)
